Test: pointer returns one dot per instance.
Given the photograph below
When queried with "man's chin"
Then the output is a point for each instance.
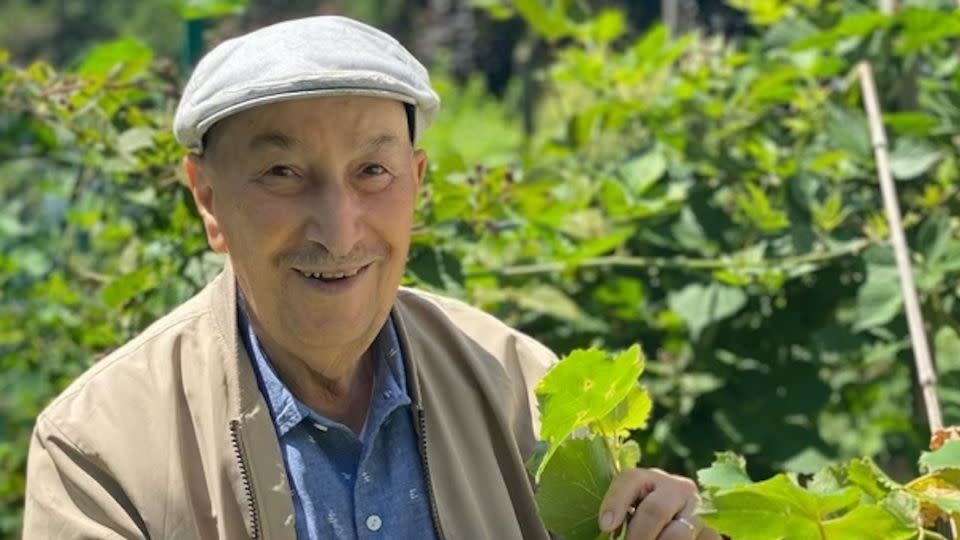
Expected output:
(325, 324)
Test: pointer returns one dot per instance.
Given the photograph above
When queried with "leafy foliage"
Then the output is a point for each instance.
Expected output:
(712, 199)
(849, 502)
(717, 201)
(98, 235)
(597, 395)
(856, 500)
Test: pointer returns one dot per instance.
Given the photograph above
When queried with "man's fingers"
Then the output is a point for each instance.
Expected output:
(654, 514)
(709, 534)
(685, 525)
(626, 488)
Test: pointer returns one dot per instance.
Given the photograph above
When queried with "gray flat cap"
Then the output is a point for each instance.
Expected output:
(315, 56)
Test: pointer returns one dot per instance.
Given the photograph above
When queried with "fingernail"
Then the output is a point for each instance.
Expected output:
(606, 522)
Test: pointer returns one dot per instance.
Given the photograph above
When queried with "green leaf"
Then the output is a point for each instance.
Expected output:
(551, 23)
(608, 25)
(903, 504)
(727, 471)
(866, 475)
(629, 456)
(640, 174)
(779, 508)
(582, 388)
(756, 206)
(700, 306)
(207, 9)
(122, 59)
(772, 509)
(544, 299)
(125, 287)
(934, 236)
(630, 414)
(847, 130)
(947, 347)
(572, 486)
(911, 158)
(879, 299)
(948, 456)
(831, 214)
(134, 139)
(925, 27)
(435, 267)
(852, 26)
(911, 123)
(869, 521)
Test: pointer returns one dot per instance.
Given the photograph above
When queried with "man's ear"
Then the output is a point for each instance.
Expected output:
(420, 161)
(202, 190)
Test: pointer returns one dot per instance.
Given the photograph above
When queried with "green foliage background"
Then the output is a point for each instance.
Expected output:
(711, 198)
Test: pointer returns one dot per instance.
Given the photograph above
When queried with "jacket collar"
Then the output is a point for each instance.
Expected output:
(244, 394)
(241, 378)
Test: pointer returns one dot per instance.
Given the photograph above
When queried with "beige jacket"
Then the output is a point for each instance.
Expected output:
(169, 436)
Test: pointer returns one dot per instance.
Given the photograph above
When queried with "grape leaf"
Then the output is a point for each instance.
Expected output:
(728, 470)
(868, 521)
(827, 480)
(629, 455)
(865, 474)
(939, 493)
(746, 515)
(582, 388)
(946, 457)
(631, 413)
(572, 486)
(775, 508)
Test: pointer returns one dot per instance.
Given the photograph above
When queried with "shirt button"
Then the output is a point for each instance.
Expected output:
(374, 523)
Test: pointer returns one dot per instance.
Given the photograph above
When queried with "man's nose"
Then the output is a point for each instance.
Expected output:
(335, 217)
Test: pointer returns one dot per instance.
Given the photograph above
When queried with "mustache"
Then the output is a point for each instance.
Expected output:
(314, 257)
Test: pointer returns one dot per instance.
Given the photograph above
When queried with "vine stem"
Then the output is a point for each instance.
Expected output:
(685, 262)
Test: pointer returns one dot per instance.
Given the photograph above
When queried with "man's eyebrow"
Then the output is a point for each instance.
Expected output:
(377, 142)
(275, 140)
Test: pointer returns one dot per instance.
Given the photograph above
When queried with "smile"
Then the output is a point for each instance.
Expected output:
(340, 274)
(333, 281)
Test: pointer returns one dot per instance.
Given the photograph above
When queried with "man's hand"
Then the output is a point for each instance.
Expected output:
(659, 506)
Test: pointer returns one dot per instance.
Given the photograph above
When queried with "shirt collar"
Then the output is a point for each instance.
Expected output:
(282, 404)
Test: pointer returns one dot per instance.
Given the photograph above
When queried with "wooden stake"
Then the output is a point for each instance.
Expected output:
(918, 337)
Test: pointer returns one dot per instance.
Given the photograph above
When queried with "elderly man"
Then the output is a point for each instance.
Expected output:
(303, 394)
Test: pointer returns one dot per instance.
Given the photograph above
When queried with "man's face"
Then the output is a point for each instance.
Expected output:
(313, 202)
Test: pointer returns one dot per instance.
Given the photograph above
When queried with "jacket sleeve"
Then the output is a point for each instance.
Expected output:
(69, 495)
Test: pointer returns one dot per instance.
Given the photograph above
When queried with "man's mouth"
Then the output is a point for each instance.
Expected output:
(331, 276)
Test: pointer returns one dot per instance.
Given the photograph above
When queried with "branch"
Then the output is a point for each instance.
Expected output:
(921, 349)
(686, 263)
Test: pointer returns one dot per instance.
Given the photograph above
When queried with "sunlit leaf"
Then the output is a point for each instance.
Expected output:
(122, 59)
(727, 471)
(582, 388)
(911, 158)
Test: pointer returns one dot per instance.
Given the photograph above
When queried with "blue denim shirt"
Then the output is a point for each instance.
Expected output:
(346, 486)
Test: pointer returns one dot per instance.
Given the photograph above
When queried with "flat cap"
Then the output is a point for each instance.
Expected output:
(314, 56)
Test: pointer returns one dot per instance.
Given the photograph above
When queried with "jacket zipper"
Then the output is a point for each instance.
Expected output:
(421, 428)
(245, 478)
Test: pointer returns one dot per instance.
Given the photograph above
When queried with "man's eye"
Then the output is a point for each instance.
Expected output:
(281, 171)
(374, 170)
